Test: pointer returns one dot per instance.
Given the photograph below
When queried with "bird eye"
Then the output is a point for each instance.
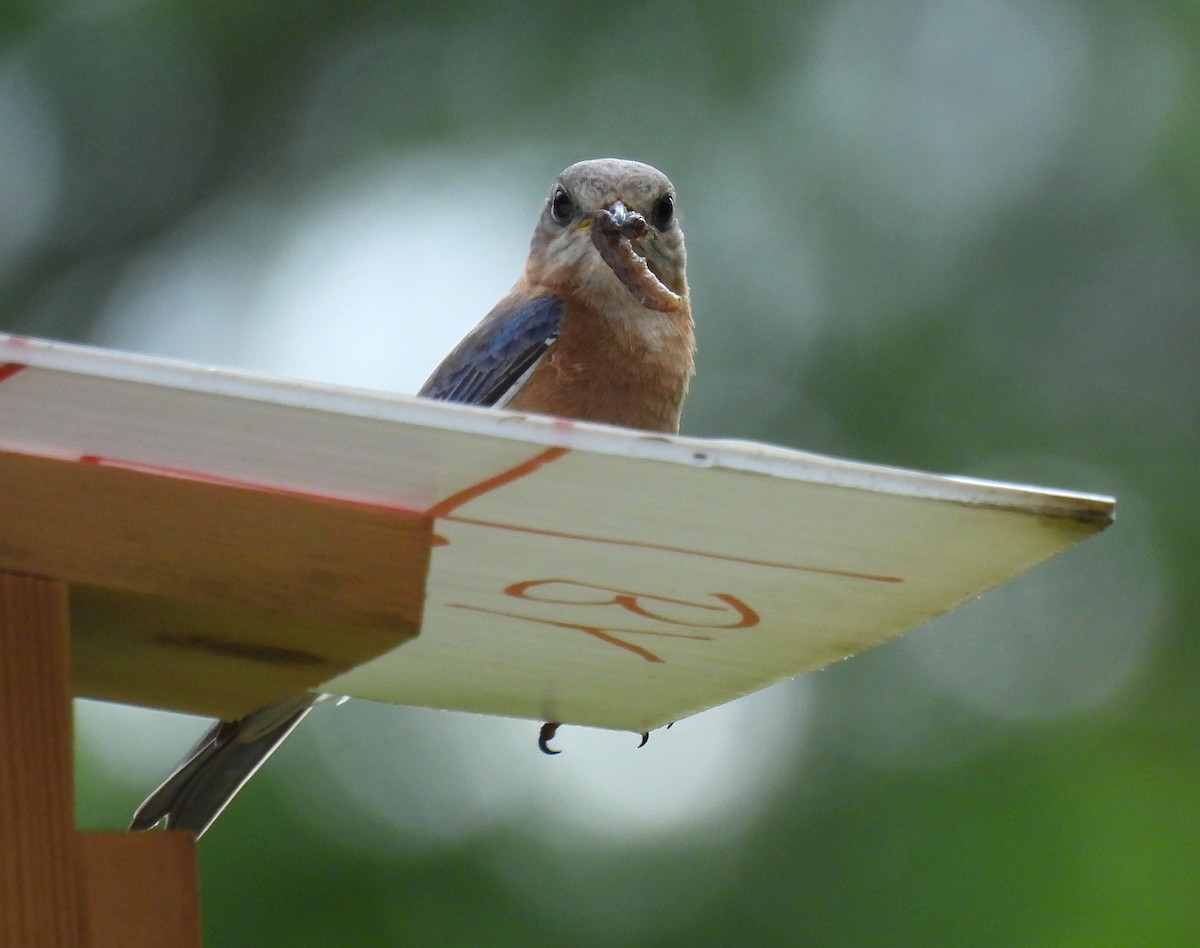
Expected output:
(663, 212)
(562, 208)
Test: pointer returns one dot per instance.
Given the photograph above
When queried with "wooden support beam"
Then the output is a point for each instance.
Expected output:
(60, 888)
(39, 880)
(139, 890)
(211, 598)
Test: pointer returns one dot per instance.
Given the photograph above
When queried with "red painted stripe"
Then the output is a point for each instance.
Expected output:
(207, 478)
(9, 369)
(823, 570)
(444, 507)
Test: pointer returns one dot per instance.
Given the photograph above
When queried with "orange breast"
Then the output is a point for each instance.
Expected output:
(616, 370)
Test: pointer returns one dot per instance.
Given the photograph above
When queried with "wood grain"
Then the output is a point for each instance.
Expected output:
(210, 597)
(139, 890)
(205, 658)
(39, 881)
(157, 534)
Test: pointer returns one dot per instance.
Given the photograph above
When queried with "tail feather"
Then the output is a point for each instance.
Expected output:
(212, 773)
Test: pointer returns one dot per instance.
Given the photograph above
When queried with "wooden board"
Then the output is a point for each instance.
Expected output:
(578, 572)
(39, 875)
(60, 888)
(235, 597)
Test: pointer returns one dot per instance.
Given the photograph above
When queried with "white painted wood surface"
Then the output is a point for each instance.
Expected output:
(580, 573)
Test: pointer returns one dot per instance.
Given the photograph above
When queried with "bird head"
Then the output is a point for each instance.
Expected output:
(609, 229)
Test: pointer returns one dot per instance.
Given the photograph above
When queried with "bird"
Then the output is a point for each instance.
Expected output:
(598, 327)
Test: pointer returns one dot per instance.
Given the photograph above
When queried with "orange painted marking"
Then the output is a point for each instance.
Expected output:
(662, 547)
(632, 602)
(608, 636)
(9, 369)
(443, 507)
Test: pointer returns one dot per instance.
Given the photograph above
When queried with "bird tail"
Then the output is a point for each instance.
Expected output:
(212, 773)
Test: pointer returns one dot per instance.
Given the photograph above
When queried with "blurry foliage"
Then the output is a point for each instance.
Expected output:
(959, 235)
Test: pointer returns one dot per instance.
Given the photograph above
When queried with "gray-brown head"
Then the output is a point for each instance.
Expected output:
(609, 231)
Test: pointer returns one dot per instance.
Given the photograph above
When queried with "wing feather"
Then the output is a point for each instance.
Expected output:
(496, 355)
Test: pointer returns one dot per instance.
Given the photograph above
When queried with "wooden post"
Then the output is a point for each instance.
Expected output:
(139, 890)
(39, 878)
(60, 888)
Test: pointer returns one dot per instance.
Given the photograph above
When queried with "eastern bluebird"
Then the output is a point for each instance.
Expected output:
(598, 328)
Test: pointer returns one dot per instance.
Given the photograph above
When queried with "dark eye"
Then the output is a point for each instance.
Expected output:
(663, 212)
(562, 208)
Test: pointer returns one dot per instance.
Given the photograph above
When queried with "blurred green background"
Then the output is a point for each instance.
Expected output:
(957, 235)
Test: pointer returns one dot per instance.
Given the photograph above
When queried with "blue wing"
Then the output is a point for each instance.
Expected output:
(495, 354)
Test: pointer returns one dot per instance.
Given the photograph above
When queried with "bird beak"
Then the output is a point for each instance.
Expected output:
(620, 213)
(624, 221)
